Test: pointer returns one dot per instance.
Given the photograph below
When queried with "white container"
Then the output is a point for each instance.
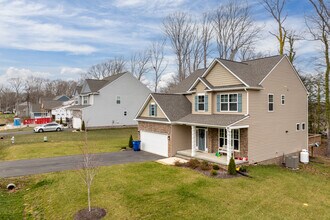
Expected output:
(304, 156)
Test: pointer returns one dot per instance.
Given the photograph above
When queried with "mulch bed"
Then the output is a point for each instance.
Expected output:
(221, 173)
(95, 214)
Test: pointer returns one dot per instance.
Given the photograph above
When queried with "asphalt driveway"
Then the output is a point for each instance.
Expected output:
(46, 165)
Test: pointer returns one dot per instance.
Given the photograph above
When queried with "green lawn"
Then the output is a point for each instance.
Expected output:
(63, 143)
(154, 191)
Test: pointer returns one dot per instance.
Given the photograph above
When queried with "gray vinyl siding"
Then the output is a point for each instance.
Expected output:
(105, 112)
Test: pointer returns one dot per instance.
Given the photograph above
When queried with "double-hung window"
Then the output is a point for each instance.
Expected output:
(85, 100)
(228, 102)
(118, 99)
(201, 103)
(235, 138)
(270, 102)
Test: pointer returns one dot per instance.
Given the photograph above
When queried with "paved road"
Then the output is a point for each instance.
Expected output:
(14, 133)
(46, 165)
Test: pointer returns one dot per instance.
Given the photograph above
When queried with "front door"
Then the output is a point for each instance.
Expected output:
(201, 139)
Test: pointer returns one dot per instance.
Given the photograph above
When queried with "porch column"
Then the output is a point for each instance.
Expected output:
(229, 147)
(193, 141)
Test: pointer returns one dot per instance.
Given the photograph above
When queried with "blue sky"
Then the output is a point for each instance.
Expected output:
(60, 39)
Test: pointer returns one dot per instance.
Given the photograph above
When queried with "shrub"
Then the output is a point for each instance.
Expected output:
(216, 167)
(61, 121)
(130, 142)
(178, 163)
(205, 165)
(243, 169)
(214, 172)
(232, 167)
(83, 126)
(193, 163)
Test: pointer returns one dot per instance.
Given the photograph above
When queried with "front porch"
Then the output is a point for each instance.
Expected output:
(210, 157)
(206, 142)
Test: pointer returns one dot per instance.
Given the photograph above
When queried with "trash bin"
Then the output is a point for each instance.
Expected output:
(17, 122)
(136, 145)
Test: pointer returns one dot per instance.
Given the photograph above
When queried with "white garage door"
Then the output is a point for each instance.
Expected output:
(154, 143)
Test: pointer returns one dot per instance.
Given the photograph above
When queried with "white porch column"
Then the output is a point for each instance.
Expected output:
(229, 147)
(193, 141)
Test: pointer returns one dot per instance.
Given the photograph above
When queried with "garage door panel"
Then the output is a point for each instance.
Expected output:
(155, 143)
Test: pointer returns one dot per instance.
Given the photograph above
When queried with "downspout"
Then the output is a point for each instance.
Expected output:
(247, 102)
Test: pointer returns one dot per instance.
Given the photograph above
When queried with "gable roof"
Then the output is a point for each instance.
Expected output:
(50, 104)
(62, 98)
(250, 72)
(78, 89)
(174, 106)
(95, 84)
(184, 86)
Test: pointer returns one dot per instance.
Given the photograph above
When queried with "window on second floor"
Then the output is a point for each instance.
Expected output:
(270, 102)
(282, 99)
(76, 100)
(228, 102)
(85, 100)
(201, 103)
(118, 99)
(298, 127)
(303, 126)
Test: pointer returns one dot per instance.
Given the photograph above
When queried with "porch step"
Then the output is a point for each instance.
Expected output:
(183, 156)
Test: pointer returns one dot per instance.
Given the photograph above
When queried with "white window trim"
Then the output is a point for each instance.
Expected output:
(270, 102)
(229, 101)
(83, 100)
(200, 94)
(303, 123)
(153, 104)
(239, 139)
(282, 99)
(299, 127)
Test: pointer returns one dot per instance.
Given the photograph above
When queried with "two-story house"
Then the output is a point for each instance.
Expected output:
(256, 110)
(112, 101)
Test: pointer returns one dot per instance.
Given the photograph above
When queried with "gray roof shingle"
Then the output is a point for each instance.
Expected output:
(252, 72)
(184, 86)
(95, 84)
(175, 106)
(211, 120)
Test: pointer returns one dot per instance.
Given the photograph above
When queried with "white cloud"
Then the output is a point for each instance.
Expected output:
(24, 74)
(71, 73)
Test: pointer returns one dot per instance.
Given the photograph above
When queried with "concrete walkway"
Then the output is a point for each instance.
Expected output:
(46, 165)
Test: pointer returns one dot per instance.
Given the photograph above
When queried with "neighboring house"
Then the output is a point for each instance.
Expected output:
(255, 109)
(112, 101)
(30, 110)
(62, 111)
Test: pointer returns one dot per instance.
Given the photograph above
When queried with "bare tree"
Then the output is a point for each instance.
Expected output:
(292, 38)
(275, 8)
(207, 32)
(318, 25)
(179, 28)
(249, 53)
(234, 28)
(88, 168)
(157, 61)
(107, 68)
(140, 64)
(17, 85)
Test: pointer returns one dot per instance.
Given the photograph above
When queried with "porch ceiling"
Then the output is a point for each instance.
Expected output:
(214, 120)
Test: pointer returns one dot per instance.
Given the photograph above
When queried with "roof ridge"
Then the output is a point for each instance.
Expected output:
(232, 61)
(260, 58)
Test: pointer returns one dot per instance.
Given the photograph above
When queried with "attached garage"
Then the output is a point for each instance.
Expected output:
(156, 143)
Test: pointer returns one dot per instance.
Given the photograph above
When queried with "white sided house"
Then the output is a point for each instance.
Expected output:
(110, 102)
(255, 111)
(62, 111)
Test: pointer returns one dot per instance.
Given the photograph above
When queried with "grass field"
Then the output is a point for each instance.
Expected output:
(154, 191)
(63, 143)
